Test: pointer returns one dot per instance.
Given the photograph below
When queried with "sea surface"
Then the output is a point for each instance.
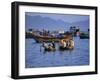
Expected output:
(36, 57)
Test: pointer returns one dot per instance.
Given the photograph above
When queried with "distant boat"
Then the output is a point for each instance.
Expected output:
(84, 36)
(41, 38)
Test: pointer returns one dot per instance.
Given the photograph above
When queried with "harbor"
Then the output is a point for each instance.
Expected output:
(38, 56)
(56, 40)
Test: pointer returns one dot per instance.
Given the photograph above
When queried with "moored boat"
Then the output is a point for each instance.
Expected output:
(41, 38)
(84, 36)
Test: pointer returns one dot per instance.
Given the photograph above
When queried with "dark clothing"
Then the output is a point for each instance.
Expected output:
(53, 45)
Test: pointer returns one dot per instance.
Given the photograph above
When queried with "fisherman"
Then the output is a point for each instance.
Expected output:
(53, 44)
(50, 47)
(72, 43)
(45, 45)
(67, 43)
(63, 43)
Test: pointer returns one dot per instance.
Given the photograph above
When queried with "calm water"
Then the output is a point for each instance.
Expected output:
(36, 57)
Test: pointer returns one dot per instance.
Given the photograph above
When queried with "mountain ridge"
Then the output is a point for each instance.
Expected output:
(39, 22)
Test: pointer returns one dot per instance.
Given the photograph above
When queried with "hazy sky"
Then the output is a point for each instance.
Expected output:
(70, 18)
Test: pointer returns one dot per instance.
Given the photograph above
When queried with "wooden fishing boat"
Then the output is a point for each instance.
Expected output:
(41, 38)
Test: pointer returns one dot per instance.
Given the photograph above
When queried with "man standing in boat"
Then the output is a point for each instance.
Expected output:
(53, 44)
